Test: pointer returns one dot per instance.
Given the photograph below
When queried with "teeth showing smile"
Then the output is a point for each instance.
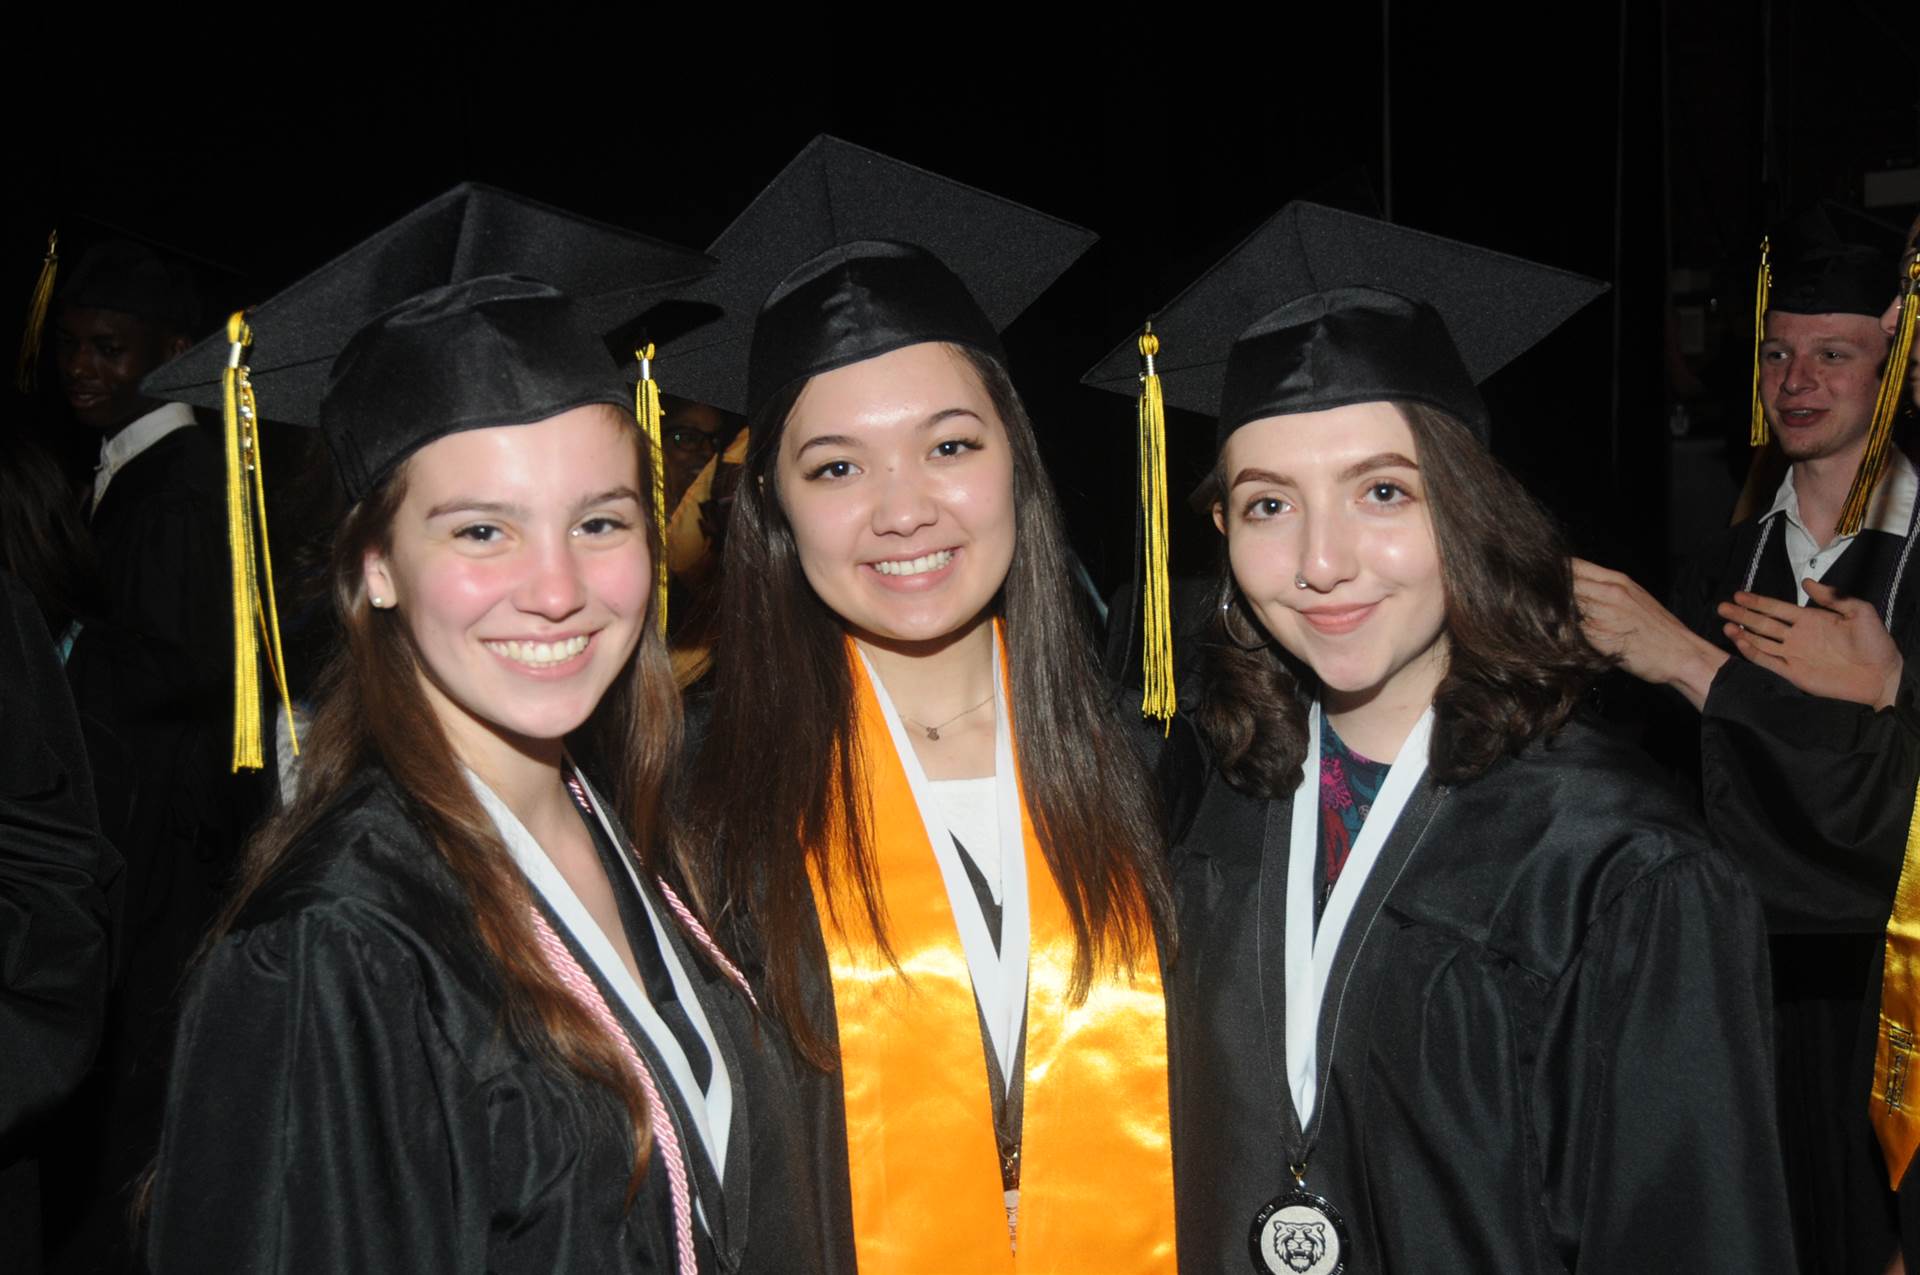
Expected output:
(540, 654)
(916, 566)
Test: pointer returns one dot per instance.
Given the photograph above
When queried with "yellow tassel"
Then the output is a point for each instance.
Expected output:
(253, 606)
(1156, 613)
(646, 409)
(37, 306)
(1893, 381)
(1757, 421)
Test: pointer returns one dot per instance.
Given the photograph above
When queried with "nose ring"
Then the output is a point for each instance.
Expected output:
(1299, 581)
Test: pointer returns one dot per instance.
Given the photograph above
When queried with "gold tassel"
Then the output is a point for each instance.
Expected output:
(1893, 381)
(1757, 421)
(1156, 613)
(37, 306)
(253, 605)
(646, 409)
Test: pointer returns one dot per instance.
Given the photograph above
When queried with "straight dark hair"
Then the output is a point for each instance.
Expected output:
(371, 710)
(782, 714)
(1517, 661)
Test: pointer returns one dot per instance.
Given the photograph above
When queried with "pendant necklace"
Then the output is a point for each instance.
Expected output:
(1299, 1231)
(933, 732)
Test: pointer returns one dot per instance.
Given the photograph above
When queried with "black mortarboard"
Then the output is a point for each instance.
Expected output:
(479, 308)
(132, 278)
(1320, 308)
(848, 254)
(1834, 260)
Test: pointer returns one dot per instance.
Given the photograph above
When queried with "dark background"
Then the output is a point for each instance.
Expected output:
(1646, 144)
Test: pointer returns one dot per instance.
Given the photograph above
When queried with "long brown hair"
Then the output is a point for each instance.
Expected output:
(782, 713)
(1517, 662)
(371, 710)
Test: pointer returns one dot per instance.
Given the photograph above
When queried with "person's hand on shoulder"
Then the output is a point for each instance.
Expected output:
(1623, 620)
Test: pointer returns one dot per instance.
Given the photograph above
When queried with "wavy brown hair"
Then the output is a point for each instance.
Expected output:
(372, 711)
(783, 714)
(1517, 662)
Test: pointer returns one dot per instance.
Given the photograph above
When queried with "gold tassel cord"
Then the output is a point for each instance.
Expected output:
(246, 499)
(247, 744)
(270, 618)
(646, 409)
(37, 306)
(1156, 614)
(1763, 284)
(1893, 381)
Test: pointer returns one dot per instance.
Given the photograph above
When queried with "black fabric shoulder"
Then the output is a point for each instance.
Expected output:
(368, 864)
(1544, 844)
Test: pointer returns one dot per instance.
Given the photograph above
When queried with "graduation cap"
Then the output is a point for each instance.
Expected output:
(1319, 309)
(848, 254)
(1834, 259)
(478, 309)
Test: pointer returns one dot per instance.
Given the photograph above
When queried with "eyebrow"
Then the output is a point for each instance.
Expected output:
(1382, 460)
(507, 509)
(844, 440)
(1814, 343)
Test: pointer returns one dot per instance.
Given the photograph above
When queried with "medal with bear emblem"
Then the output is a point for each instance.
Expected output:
(1298, 1233)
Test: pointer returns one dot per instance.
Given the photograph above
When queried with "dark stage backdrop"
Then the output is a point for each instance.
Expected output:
(1552, 132)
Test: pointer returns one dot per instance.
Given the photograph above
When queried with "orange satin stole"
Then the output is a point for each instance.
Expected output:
(1096, 1190)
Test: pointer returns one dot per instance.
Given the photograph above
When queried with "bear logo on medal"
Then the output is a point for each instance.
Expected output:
(1300, 1245)
(1299, 1234)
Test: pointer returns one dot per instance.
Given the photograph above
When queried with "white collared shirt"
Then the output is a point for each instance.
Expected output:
(134, 439)
(1890, 511)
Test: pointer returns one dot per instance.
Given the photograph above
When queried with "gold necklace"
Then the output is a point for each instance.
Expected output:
(933, 732)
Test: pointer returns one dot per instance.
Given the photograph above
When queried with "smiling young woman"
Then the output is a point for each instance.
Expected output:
(456, 1016)
(1460, 978)
(918, 798)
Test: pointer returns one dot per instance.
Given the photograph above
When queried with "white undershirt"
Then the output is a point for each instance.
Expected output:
(134, 439)
(1889, 510)
(970, 808)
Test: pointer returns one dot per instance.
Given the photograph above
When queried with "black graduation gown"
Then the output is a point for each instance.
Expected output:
(56, 917)
(344, 1096)
(154, 686)
(1551, 1046)
(1811, 796)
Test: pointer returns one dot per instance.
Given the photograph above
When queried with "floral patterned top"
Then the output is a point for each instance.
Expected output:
(1349, 783)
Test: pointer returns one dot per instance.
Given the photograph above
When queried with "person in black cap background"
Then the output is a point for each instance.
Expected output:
(152, 677)
(455, 1016)
(1462, 984)
(1809, 793)
(57, 875)
(961, 937)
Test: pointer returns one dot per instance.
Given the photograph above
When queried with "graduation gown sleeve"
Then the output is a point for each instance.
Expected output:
(307, 1126)
(1812, 796)
(1653, 1090)
(55, 873)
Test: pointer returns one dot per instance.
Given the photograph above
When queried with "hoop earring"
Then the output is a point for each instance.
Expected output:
(1228, 609)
